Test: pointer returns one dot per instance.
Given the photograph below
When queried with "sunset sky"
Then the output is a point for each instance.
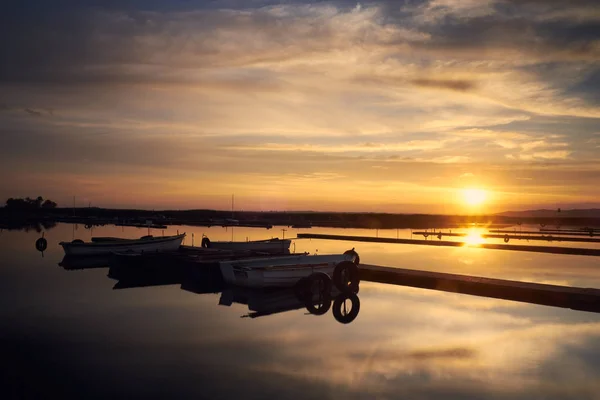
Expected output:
(441, 106)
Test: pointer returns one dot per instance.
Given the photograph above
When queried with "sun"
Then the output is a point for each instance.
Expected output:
(474, 197)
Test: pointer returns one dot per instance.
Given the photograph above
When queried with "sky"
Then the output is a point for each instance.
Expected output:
(440, 106)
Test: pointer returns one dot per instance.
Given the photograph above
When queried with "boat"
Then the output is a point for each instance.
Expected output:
(280, 271)
(118, 245)
(274, 245)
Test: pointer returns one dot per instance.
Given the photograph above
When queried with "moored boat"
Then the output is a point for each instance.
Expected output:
(108, 246)
(281, 271)
(275, 245)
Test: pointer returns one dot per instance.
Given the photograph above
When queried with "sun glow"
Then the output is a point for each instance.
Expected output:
(474, 238)
(474, 197)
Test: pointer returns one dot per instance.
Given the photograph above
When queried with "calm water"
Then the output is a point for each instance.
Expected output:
(70, 333)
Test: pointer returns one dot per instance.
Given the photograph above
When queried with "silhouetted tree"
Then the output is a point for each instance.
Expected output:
(29, 204)
(48, 204)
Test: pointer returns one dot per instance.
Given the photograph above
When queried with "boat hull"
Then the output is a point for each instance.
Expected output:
(276, 246)
(170, 243)
(282, 272)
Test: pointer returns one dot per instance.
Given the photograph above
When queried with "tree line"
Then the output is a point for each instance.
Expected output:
(29, 204)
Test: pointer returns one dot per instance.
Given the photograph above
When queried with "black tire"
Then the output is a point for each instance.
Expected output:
(355, 254)
(318, 306)
(41, 244)
(205, 242)
(323, 282)
(345, 276)
(339, 305)
(506, 238)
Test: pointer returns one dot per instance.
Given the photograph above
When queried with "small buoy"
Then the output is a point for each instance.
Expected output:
(506, 238)
(41, 244)
(205, 242)
(340, 310)
(345, 276)
(440, 236)
(425, 235)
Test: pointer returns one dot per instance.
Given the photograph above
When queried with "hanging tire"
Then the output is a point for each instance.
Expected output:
(205, 242)
(506, 238)
(339, 308)
(41, 244)
(345, 276)
(322, 281)
(318, 306)
(355, 254)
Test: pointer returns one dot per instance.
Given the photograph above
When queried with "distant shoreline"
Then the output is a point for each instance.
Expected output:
(104, 216)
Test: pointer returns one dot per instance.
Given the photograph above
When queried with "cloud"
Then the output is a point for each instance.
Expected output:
(366, 147)
(546, 155)
(458, 85)
(417, 90)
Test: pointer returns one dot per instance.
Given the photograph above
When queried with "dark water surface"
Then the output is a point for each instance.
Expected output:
(69, 333)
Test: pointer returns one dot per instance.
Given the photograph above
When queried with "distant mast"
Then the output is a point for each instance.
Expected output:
(232, 207)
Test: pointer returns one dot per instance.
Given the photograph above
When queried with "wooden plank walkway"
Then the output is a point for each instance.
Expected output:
(442, 243)
(587, 230)
(545, 232)
(513, 235)
(583, 299)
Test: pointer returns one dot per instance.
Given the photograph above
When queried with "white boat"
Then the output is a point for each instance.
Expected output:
(280, 271)
(275, 245)
(112, 245)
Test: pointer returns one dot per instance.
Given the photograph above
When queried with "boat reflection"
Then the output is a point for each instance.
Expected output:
(261, 303)
(318, 299)
(85, 262)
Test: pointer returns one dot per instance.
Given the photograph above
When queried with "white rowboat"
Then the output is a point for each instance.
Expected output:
(267, 246)
(279, 271)
(143, 245)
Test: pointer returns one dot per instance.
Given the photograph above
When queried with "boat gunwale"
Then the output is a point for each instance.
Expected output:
(286, 267)
(125, 242)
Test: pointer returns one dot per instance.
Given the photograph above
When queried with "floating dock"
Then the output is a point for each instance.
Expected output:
(442, 243)
(511, 236)
(546, 232)
(582, 299)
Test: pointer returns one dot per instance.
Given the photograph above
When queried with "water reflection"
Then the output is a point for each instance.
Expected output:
(161, 341)
(27, 226)
(208, 279)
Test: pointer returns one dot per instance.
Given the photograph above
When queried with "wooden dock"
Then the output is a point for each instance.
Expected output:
(546, 232)
(442, 243)
(582, 299)
(511, 236)
(584, 230)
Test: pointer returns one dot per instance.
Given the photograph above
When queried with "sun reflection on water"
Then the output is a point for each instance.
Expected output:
(474, 237)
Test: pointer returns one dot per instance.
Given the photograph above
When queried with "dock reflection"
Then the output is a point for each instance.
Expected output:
(205, 278)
